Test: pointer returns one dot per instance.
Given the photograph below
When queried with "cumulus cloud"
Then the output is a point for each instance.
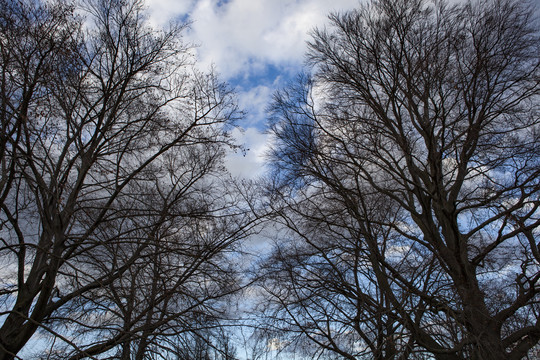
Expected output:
(256, 46)
(164, 11)
(248, 164)
(255, 101)
(242, 36)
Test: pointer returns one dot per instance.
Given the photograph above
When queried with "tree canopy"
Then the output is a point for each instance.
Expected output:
(406, 170)
(403, 192)
(115, 233)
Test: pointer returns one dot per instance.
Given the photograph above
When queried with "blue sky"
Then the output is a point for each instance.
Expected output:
(256, 46)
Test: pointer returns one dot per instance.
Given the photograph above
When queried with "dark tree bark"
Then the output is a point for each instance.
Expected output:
(115, 230)
(407, 171)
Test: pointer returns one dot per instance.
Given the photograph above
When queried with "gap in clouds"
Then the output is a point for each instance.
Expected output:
(257, 46)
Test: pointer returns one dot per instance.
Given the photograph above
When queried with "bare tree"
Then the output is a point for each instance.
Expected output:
(407, 173)
(117, 218)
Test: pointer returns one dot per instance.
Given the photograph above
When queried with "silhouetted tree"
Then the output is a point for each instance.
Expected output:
(117, 218)
(406, 171)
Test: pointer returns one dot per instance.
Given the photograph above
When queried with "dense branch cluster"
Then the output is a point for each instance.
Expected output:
(407, 171)
(115, 232)
(403, 196)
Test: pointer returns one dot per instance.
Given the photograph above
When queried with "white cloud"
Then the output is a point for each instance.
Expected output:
(241, 36)
(254, 101)
(163, 11)
(249, 164)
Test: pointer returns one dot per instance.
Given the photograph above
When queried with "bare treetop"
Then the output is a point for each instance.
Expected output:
(407, 169)
(112, 182)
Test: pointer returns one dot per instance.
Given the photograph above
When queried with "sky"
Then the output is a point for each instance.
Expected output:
(257, 46)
